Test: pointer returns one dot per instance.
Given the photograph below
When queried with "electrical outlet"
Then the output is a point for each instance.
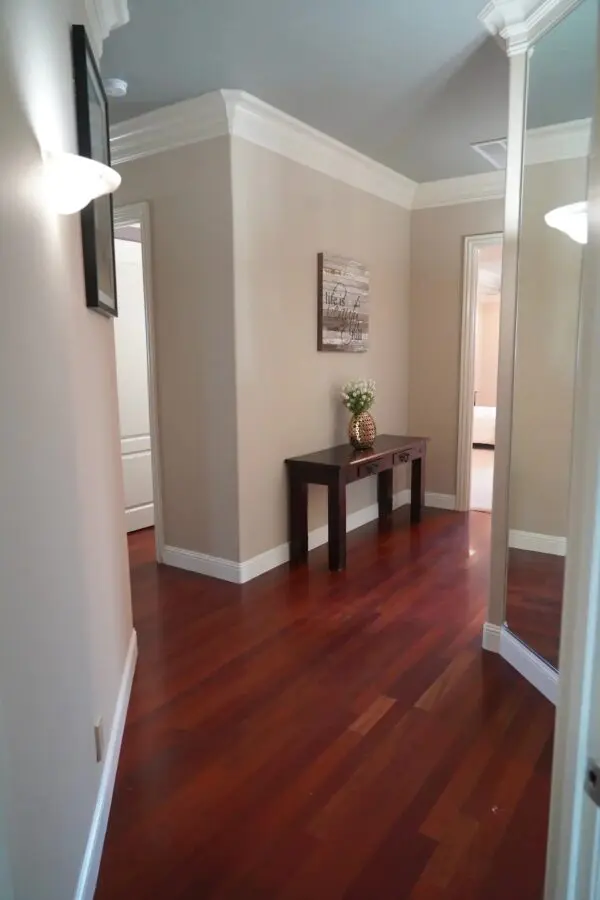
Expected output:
(99, 739)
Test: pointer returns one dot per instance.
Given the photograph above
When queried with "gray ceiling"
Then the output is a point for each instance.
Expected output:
(403, 81)
(407, 82)
(562, 71)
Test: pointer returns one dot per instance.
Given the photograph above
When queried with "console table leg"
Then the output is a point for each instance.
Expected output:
(417, 490)
(385, 493)
(298, 520)
(337, 525)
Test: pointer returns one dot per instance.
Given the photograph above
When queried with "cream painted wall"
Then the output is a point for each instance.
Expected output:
(435, 326)
(547, 319)
(65, 613)
(288, 403)
(487, 337)
(189, 190)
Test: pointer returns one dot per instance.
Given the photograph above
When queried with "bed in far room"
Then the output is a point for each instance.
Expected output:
(484, 426)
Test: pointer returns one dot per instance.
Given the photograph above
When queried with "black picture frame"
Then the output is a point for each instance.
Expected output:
(93, 137)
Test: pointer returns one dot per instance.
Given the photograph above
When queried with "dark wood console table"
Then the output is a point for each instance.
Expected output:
(339, 466)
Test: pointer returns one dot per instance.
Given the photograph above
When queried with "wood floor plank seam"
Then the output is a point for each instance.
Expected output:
(329, 736)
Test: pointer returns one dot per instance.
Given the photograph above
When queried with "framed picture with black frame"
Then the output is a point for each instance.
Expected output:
(93, 136)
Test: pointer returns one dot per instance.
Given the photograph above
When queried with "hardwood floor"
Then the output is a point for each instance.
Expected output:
(330, 735)
(534, 600)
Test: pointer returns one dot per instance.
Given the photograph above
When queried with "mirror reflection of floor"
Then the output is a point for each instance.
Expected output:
(534, 600)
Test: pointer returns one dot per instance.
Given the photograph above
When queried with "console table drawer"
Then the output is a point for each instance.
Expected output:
(403, 457)
(374, 466)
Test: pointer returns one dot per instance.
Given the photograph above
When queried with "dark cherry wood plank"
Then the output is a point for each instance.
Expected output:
(329, 735)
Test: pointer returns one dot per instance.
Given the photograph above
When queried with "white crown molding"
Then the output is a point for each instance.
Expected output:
(518, 24)
(102, 17)
(169, 127)
(262, 124)
(236, 113)
(241, 115)
(567, 140)
(453, 191)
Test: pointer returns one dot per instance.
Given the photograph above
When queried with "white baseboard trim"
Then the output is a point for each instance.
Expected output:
(241, 572)
(202, 564)
(539, 673)
(139, 517)
(440, 501)
(88, 875)
(491, 637)
(539, 543)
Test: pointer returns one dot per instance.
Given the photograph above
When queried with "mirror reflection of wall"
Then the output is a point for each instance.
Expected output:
(559, 110)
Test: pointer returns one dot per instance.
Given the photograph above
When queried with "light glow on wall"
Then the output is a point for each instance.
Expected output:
(571, 219)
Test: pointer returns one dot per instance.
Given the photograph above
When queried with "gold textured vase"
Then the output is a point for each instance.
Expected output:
(362, 431)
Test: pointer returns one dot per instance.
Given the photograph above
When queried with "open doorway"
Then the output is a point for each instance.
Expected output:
(479, 371)
(487, 344)
(134, 343)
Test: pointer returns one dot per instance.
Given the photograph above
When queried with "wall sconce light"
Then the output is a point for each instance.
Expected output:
(74, 181)
(572, 219)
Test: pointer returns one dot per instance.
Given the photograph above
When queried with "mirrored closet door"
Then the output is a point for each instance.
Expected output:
(552, 233)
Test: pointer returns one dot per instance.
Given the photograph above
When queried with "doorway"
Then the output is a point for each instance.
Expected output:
(136, 385)
(479, 371)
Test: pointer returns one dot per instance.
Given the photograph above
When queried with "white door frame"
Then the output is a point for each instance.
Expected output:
(472, 245)
(130, 215)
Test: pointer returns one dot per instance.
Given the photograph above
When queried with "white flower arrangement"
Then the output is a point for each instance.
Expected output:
(358, 396)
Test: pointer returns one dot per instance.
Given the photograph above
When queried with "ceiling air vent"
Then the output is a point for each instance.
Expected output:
(493, 152)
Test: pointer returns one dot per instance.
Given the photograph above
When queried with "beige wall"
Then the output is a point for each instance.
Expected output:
(487, 337)
(189, 190)
(435, 326)
(65, 614)
(288, 400)
(547, 318)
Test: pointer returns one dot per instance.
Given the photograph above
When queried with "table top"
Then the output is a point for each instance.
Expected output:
(346, 455)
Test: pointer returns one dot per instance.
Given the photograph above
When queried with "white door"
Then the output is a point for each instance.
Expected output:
(132, 381)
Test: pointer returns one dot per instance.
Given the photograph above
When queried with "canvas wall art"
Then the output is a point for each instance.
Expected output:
(343, 311)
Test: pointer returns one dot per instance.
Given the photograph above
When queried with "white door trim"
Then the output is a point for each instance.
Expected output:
(472, 245)
(131, 215)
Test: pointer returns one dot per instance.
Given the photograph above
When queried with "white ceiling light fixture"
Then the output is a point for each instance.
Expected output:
(73, 181)
(571, 219)
(115, 87)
